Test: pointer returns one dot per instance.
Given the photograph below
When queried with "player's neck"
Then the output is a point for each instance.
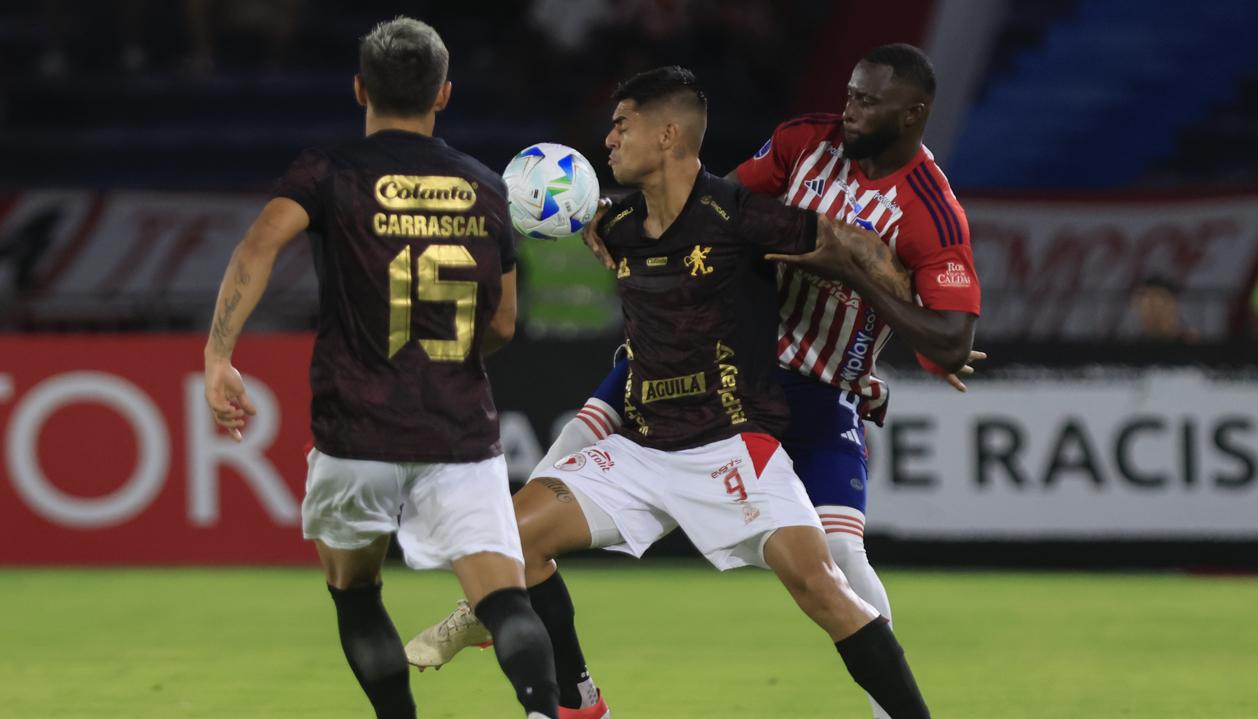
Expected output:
(897, 156)
(666, 193)
(420, 125)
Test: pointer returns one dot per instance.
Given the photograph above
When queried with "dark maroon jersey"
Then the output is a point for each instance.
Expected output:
(411, 239)
(700, 306)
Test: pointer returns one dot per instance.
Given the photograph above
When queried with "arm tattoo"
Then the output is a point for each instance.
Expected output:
(221, 329)
(880, 264)
(562, 493)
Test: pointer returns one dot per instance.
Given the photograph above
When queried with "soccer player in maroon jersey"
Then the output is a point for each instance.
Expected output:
(416, 263)
(867, 167)
(701, 403)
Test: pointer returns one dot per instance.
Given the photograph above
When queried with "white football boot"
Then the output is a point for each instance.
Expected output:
(437, 645)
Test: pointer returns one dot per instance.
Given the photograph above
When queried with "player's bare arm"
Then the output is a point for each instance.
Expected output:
(502, 325)
(944, 337)
(243, 284)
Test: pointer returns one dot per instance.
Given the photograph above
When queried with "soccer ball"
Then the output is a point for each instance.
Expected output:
(552, 191)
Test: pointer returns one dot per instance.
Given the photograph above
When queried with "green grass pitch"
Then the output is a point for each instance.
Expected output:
(664, 640)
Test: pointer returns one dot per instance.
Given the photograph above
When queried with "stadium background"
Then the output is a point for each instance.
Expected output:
(1097, 145)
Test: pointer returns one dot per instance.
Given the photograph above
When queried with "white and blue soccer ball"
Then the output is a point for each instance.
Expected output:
(552, 191)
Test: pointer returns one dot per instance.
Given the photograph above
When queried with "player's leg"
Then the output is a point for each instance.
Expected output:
(349, 510)
(800, 558)
(827, 445)
(461, 515)
(551, 523)
(494, 586)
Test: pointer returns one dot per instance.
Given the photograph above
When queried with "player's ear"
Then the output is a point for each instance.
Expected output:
(670, 135)
(915, 115)
(360, 90)
(443, 96)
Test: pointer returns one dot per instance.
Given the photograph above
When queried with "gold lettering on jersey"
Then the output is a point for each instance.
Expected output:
(392, 225)
(631, 412)
(622, 271)
(656, 261)
(696, 261)
(615, 220)
(673, 387)
(399, 301)
(729, 384)
(707, 200)
(425, 192)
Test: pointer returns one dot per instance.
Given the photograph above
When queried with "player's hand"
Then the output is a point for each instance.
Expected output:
(836, 255)
(589, 235)
(965, 371)
(225, 394)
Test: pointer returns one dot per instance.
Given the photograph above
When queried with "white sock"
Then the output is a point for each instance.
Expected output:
(595, 421)
(845, 534)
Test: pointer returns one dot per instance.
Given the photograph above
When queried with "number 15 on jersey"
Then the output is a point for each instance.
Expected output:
(431, 288)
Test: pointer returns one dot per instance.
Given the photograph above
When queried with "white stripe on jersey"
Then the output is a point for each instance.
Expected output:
(803, 169)
(828, 188)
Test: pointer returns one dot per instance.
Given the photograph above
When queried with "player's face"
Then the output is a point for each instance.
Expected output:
(874, 117)
(634, 144)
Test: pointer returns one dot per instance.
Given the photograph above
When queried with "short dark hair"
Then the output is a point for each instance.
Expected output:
(403, 63)
(907, 63)
(663, 83)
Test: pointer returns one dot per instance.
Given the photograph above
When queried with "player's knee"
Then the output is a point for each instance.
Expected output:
(817, 582)
(848, 550)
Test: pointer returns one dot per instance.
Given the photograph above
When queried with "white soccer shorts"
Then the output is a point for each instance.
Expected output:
(440, 512)
(728, 496)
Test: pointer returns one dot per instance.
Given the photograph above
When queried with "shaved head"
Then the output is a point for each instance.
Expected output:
(669, 95)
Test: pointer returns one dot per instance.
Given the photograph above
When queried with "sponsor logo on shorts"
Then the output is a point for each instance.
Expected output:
(571, 463)
(602, 459)
(857, 484)
(673, 387)
(728, 466)
(750, 514)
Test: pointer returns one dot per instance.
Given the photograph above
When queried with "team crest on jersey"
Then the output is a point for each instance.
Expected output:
(571, 463)
(696, 261)
(764, 149)
(622, 271)
(816, 185)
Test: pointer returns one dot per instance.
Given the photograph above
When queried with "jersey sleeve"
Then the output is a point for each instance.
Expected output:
(768, 170)
(935, 247)
(776, 227)
(303, 183)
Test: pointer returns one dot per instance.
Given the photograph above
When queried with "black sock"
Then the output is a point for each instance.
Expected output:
(876, 661)
(522, 648)
(553, 604)
(374, 651)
